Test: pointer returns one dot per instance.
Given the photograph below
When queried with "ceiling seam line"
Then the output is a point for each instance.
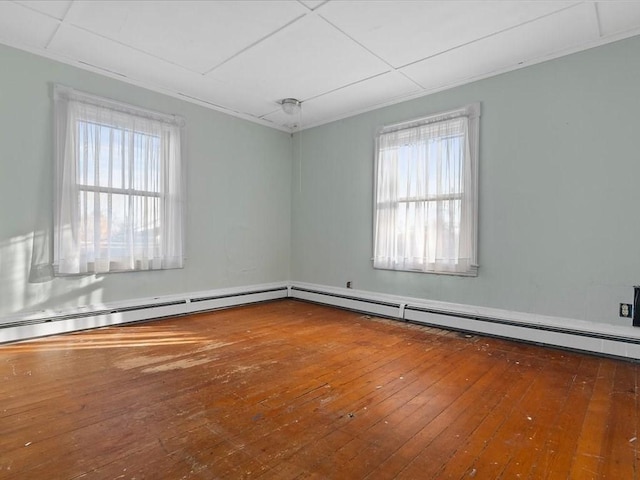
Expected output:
(260, 40)
(136, 49)
(513, 27)
(357, 42)
(313, 9)
(39, 12)
(53, 35)
(598, 19)
(61, 21)
(411, 80)
(345, 86)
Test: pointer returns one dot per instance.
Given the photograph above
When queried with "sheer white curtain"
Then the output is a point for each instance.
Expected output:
(119, 187)
(425, 207)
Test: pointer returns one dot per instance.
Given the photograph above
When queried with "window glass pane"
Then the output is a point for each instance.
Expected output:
(146, 149)
(105, 155)
(402, 154)
(115, 225)
(428, 168)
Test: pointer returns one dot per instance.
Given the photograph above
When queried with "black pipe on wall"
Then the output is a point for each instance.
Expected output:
(636, 306)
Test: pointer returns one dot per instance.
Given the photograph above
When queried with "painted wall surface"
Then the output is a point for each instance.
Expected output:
(559, 191)
(238, 184)
(559, 168)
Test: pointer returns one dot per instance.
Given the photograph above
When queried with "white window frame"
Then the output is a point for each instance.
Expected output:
(73, 108)
(383, 256)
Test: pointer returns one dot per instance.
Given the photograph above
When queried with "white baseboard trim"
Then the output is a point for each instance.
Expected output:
(47, 322)
(603, 339)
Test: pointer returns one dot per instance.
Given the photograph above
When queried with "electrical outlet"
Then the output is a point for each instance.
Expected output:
(626, 310)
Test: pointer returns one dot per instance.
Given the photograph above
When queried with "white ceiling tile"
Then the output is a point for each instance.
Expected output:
(402, 32)
(22, 26)
(226, 96)
(195, 34)
(618, 17)
(77, 44)
(305, 59)
(264, 51)
(53, 8)
(545, 37)
(367, 95)
(80, 45)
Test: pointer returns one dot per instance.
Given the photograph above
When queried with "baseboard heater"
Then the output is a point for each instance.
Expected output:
(358, 304)
(538, 333)
(543, 332)
(40, 325)
(215, 302)
(416, 314)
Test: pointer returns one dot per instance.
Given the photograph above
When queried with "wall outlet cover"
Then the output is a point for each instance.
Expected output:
(626, 310)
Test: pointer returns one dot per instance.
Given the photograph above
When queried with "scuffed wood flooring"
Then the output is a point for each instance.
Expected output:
(292, 390)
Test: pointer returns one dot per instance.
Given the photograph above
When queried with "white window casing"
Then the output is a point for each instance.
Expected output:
(119, 186)
(426, 194)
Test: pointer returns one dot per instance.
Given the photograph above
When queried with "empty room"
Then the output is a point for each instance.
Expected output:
(335, 239)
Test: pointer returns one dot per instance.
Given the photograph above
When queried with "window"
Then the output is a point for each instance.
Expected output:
(119, 187)
(425, 216)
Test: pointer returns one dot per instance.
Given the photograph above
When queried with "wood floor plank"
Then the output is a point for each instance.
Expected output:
(590, 456)
(294, 390)
(490, 417)
(619, 446)
(541, 411)
(562, 442)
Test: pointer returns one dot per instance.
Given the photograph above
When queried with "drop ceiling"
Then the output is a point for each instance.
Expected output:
(338, 57)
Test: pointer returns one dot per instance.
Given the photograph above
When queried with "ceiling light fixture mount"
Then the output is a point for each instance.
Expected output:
(291, 106)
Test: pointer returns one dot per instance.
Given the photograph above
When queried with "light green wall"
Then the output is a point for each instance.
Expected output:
(559, 173)
(559, 191)
(239, 194)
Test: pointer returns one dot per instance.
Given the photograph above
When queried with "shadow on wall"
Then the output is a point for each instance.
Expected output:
(27, 283)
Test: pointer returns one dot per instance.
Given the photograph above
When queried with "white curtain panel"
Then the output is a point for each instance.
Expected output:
(426, 197)
(119, 187)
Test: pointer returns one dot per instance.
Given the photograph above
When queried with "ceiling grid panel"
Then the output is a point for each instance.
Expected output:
(340, 58)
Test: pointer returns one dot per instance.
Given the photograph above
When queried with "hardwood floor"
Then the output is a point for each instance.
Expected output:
(292, 390)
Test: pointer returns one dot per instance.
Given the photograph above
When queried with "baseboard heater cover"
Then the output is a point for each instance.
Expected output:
(89, 313)
(358, 304)
(238, 294)
(388, 306)
(214, 302)
(549, 328)
(594, 342)
(39, 326)
(540, 333)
